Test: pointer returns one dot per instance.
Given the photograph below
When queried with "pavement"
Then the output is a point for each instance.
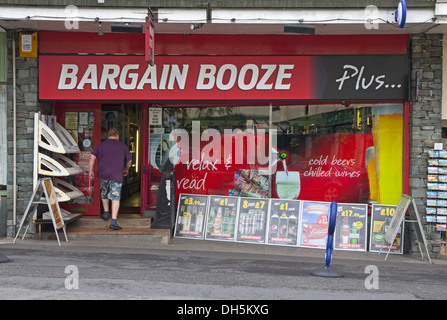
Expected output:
(205, 269)
(221, 247)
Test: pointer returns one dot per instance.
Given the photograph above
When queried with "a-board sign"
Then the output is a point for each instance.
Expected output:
(221, 218)
(398, 218)
(314, 224)
(283, 222)
(43, 194)
(407, 202)
(191, 213)
(381, 216)
(253, 214)
(351, 229)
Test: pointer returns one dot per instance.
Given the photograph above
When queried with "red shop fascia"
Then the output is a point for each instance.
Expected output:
(82, 71)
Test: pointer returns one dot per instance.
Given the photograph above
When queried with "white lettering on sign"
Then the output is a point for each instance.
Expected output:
(207, 78)
(362, 81)
(128, 77)
(68, 72)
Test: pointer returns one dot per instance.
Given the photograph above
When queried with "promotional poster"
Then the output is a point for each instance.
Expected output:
(191, 213)
(221, 218)
(314, 224)
(381, 216)
(351, 228)
(283, 221)
(252, 220)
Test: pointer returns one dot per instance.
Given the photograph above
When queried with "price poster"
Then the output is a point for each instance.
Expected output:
(252, 218)
(381, 216)
(191, 213)
(283, 222)
(221, 218)
(351, 227)
(314, 224)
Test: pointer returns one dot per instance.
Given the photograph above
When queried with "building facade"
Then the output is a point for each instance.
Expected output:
(356, 106)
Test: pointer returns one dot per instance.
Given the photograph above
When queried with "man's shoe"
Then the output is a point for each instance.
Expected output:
(105, 215)
(115, 227)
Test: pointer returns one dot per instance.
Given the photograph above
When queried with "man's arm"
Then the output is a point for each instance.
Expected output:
(126, 169)
(91, 164)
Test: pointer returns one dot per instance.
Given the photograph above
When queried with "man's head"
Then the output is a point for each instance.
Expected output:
(113, 133)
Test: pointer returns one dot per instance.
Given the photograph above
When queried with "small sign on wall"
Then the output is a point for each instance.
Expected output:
(28, 45)
(155, 116)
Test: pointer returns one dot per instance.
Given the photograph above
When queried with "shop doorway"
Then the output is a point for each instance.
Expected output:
(127, 119)
(82, 121)
(88, 123)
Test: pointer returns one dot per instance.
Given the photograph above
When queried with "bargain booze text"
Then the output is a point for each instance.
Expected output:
(129, 77)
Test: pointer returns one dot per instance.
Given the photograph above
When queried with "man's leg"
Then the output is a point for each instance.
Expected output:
(115, 208)
(104, 187)
(105, 205)
(115, 196)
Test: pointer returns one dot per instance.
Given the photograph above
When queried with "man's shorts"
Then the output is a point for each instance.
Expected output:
(111, 190)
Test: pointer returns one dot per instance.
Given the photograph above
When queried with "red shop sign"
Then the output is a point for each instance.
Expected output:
(149, 41)
(114, 77)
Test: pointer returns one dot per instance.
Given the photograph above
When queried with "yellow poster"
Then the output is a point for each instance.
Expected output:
(71, 120)
(53, 204)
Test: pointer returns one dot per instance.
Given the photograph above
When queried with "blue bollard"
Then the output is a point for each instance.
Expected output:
(326, 271)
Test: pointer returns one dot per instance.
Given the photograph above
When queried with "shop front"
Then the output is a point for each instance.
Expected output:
(317, 118)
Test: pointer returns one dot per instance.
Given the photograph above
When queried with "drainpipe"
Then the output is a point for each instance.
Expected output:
(14, 121)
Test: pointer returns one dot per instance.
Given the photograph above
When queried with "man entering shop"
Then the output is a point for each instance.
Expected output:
(114, 161)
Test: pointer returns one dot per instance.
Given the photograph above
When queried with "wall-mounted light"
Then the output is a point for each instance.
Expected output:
(196, 26)
(298, 28)
(100, 31)
(129, 28)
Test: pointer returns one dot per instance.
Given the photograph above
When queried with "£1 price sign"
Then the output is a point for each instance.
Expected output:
(221, 218)
(283, 222)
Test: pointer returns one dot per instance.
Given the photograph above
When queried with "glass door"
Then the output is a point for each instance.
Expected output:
(155, 138)
(126, 118)
(83, 123)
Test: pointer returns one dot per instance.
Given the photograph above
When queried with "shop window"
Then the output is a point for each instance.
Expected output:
(343, 153)
(320, 152)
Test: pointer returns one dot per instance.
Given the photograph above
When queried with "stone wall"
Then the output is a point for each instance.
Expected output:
(27, 104)
(425, 122)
